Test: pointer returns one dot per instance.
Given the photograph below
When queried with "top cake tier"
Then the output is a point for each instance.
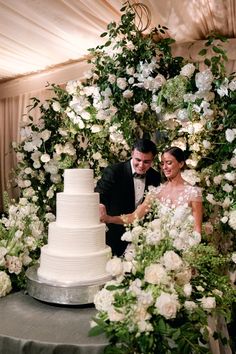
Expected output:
(78, 181)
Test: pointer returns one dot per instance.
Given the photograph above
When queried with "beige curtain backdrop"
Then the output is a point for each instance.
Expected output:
(15, 96)
(66, 29)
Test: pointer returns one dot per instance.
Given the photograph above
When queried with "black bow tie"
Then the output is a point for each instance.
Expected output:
(137, 175)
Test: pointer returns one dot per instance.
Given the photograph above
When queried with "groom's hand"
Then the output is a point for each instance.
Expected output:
(102, 212)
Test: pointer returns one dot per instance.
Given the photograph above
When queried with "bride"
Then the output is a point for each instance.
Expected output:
(173, 193)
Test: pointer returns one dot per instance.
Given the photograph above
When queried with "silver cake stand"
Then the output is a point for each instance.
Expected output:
(76, 294)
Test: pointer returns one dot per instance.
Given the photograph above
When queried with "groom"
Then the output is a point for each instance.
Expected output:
(122, 188)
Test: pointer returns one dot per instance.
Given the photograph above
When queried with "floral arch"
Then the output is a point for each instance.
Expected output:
(136, 87)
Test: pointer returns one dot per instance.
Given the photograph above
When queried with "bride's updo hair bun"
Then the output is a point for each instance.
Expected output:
(178, 153)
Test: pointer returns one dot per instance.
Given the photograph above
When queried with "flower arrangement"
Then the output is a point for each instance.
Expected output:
(21, 235)
(136, 88)
(164, 289)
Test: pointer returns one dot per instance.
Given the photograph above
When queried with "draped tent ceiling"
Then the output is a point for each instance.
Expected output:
(38, 34)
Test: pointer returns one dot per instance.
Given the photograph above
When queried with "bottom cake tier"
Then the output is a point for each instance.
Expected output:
(83, 269)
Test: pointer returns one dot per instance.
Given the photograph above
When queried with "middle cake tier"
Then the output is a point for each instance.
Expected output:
(76, 240)
(78, 209)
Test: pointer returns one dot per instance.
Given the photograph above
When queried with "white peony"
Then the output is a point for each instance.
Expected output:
(103, 300)
(114, 266)
(155, 274)
(172, 261)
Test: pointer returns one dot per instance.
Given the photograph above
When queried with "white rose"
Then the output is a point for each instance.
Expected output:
(172, 260)
(167, 305)
(111, 78)
(227, 188)
(5, 284)
(103, 300)
(121, 83)
(208, 303)
(45, 134)
(130, 70)
(224, 219)
(231, 176)
(190, 305)
(129, 45)
(217, 179)
(155, 274)
(226, 203)
(55, 178)
(130, 253)
(232, 85)
(45, 158)
(187, 70)
(229, 135)
(97, 156)
(127, 236)
(96, 128)
(206, 144)
(187, 289)
(114, 266)
(232, 162)
(28, 170)
(232, 219)
(115, 316)
(210, 198)
(56, 106)
(159, 81)
(141, 107)
(128, 94)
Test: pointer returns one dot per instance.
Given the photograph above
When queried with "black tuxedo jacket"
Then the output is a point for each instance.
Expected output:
(116, 189)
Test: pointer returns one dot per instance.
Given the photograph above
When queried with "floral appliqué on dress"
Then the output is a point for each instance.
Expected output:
(184, 195)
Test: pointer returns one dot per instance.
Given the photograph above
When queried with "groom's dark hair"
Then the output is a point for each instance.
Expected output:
(145, 146)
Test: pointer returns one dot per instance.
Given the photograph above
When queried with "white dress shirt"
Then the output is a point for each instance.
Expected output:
(139, 187)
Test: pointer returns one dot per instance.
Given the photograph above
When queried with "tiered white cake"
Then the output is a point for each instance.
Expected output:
(76, 251)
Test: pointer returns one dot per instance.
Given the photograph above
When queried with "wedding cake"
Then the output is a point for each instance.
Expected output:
(76, 252)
